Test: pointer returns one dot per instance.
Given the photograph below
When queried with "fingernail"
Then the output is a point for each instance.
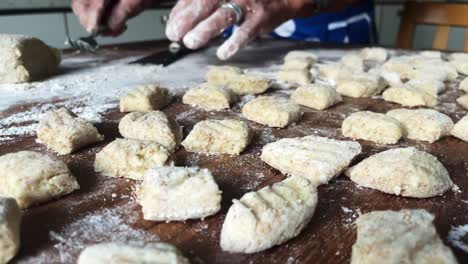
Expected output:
(226, 51)
(171, 32)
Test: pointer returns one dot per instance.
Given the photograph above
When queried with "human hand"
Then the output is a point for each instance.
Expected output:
(196, 22)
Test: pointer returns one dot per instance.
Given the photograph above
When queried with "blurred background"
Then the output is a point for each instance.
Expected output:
(44, 19)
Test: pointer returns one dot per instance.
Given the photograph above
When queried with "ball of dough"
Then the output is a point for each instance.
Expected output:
(403, 171)
(269, 217)
(361, 85)
(227, 136)
(26, 59)
(318, 159)
(409, 96)
(272, 111)
(10, 221)
(131, 252)
(144, 99)
(373, 127)
(130, 158)
(32, 177)
(151, 126)
(423, 124)
(406, 236)
(460, 130)
(295, 76)
(221, 75)
(374, 54)
(64, 132)
(178, 194)
(316, 96)
(209, 97)
(463, 101)
(464, 85)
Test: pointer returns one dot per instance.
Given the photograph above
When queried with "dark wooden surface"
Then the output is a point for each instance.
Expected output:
(329, 236)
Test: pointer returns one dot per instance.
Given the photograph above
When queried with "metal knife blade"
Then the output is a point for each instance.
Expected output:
(165, 57)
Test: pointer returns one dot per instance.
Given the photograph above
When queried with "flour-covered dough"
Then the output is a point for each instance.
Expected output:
(10, 222)
(26, 59)
(403, 171)
(353, 61)
(431, 87)
(301, 55)
(464, 85)
(269, 217)
(295, 76)
(151, 126)
(316, 96)
(409, 96)
(423, 124)
(360, 85)
(234, 79)
(318, 159)
(221, 75)
(374, 54)
(131, 252)
(228, 136)
(372, 126)
(64, 132)
(460, 130)
(32, 177)
(272, 111)
(144, 99)
(178, 194)
(130, 158)
(209, 97)
(463, 101)
(406, 236)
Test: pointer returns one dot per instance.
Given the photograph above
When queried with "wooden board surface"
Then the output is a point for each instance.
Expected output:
(104, 209)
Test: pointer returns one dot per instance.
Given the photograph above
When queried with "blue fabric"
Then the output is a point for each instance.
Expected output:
(354, 24)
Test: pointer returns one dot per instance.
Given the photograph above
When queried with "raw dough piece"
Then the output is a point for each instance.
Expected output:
(228, 136)
(151, 126)
(248, 84)
(178, 194)
(26, 59)
(130, 158)
(32, 177)
(10, 221)
(269, 217)
(316, 96)
(361, 85)
(406, 236)
(463, 101)
(353, 61)
(464, 85)
(374, 54)
(409, 96)
(332, 72)
(461, 66)
(400, 66)
(431, 87)
(302, 55)
(431, 54)
(295, 76)
(423, 124)
(272, 111)
(318, 159)
(296, 64)
(209, 97)
(131, 252)
(64, 132)
(221, 75)
(371, 126)
(402, 171)
(144, 99)
(460, 130)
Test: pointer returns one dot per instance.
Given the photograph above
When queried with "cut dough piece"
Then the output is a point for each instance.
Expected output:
(353, 61)
(10, 221)
(297, 64)
(272, 111)
(318, 159)
(316, 96)
(32, 177)
(463, 101)
(221, 75)
(295, 76)
(409, 96)
(361, 85)
(178, 194)
(406, 236)
(301, 55)
(400, 66)
(464, 85)
(461, 66)
(460, 130)
(26, 59)
(64, 132)
(403, 171)
(269, 217)
(130, 158)
(131, 252)
(249, 84)
(227, 136)
(332, 72)
(374, 54)
(209, 97)
(151, 126)
(144, 99)
(431, 87)
(431, 54)
(371, 126)
(423, 124)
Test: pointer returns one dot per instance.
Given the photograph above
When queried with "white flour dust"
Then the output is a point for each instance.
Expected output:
(457, 237)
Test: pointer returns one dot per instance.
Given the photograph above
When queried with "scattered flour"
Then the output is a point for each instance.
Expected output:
(456, 237)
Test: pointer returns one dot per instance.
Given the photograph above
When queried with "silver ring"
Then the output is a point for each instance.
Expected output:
(234, 7)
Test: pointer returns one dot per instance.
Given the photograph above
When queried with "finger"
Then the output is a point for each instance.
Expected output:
(186, 15)
(122, 12)
(209, 28)
(89, 13)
